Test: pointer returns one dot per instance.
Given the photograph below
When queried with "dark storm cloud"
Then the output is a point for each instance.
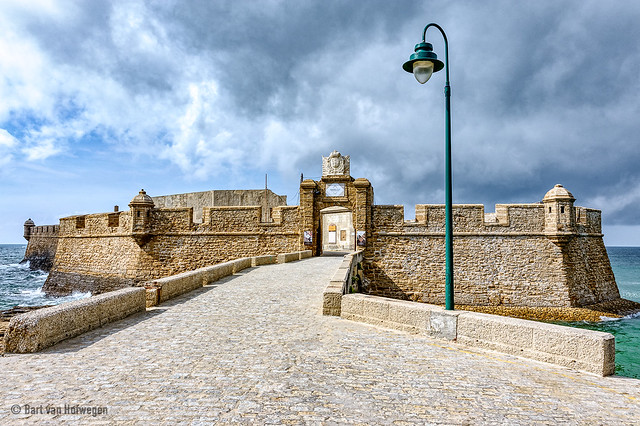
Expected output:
(256, 46)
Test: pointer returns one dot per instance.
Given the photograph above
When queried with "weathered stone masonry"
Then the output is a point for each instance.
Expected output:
(97, 253)
(513, 261)
(546, 254)
(264, 198)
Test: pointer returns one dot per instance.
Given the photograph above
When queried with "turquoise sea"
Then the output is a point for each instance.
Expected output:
(21, 286)
(625, 262)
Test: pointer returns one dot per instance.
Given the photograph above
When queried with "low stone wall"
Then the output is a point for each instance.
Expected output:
(296, 255)
(576, 348)
(166, 288)
(36, 330)
(263, 260)
(585, 350)
(340, 284)
(305, 254)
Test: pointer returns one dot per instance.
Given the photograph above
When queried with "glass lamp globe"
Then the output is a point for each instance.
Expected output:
(422, 70)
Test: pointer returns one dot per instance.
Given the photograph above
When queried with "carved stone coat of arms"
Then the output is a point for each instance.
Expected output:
(335, 165)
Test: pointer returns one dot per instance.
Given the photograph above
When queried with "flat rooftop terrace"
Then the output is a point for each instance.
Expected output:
(254, 348)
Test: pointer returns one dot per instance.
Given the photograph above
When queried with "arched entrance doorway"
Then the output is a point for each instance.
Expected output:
(331, 208)
(337, 229)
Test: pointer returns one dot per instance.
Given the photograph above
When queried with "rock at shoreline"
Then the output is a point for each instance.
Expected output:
(612, 309)
(65, 283)
(43, 263)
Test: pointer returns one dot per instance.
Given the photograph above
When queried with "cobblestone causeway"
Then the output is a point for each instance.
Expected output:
(255, 349)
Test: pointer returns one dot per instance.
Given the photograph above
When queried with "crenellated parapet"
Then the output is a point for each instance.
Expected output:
(44, 231)
(467, 219)
(176, 221)
(557, 219)
(249, 219)
(588, 221)
(96, 224)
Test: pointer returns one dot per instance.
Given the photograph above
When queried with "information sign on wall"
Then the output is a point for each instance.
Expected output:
(308, 238)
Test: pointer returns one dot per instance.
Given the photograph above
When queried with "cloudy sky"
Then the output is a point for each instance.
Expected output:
(101, 98)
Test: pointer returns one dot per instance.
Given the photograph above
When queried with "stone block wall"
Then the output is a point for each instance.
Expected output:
(97, 253)
(590, 279)
(501, 259)
(266, 199)
(586, 350)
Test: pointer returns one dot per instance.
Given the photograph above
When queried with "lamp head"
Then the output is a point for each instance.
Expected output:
(423, 62)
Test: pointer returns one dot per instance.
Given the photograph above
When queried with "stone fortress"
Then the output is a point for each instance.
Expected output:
(543, 255)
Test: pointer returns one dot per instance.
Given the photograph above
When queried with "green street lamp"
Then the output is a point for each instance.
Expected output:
(422, 64)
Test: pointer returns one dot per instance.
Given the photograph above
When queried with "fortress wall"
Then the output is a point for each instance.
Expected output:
(97, 262)
(204, 199)
(589, 273)
(494, 270)
(588, 220)
(172, 254)
(99, 258)
(503, 258)
(172, 220)
(41, 248)
(105, 224)
(224, 219)
(508, 218)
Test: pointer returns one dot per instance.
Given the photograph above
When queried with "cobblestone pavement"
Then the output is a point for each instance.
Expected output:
(255, 349)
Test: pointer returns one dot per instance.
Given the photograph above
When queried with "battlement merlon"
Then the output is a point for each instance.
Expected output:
(535, 218)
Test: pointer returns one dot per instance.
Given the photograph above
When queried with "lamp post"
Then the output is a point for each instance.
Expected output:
(423, 63)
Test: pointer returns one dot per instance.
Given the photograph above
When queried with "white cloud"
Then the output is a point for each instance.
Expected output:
(7, 140)
(44, 149)
(7, 143)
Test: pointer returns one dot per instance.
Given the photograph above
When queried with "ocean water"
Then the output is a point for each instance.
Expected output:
(21, 286)
(625, 262)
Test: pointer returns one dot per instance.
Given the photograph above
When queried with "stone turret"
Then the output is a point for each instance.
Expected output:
(141, 206)
(559, 214)
(27, 228)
